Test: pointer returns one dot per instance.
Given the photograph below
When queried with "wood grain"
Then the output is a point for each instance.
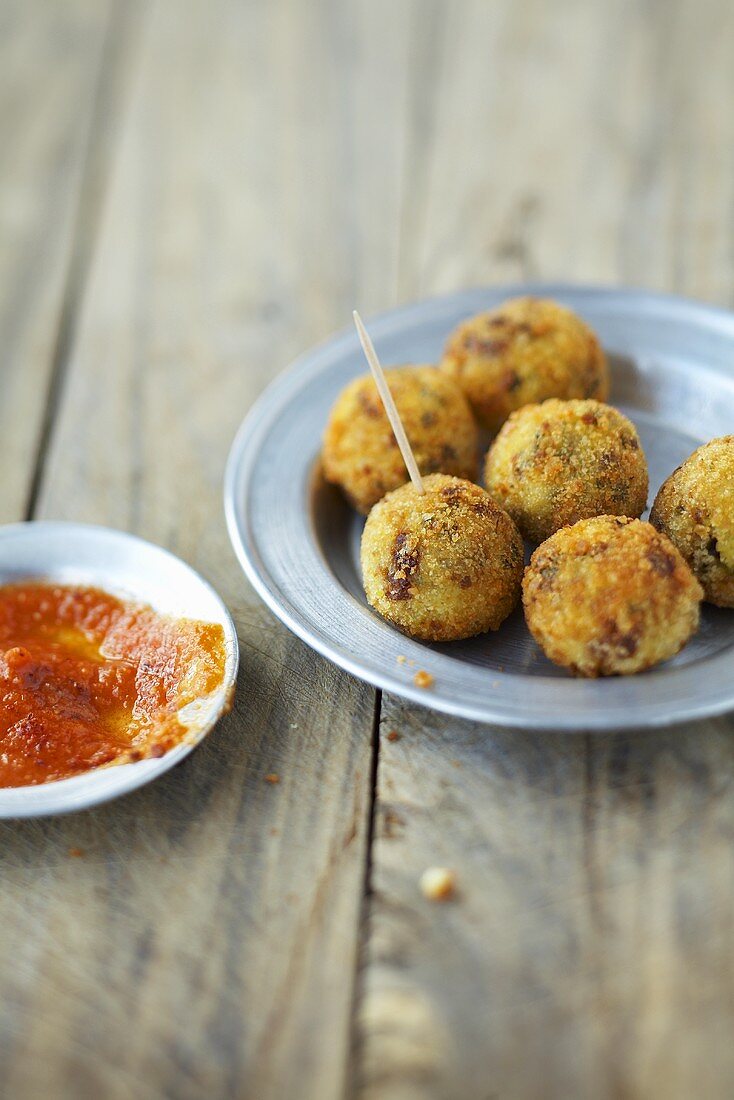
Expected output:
(588, 950)
(206, 943)
(192, 200)
(585, 142)
(44, 125)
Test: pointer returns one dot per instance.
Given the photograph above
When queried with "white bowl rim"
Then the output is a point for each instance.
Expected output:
(102, 784)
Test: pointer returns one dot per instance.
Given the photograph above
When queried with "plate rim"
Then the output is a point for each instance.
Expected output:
(254, 427)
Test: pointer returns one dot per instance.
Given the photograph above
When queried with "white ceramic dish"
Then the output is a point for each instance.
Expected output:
(75, 553)
(672, 365)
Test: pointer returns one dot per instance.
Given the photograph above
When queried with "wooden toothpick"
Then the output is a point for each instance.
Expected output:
(387, 399)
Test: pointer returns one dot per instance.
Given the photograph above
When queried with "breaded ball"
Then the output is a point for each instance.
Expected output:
(441, 565)
(610, 596)
(522, 352)
(695, 508)
(361, 453)
(562, 461)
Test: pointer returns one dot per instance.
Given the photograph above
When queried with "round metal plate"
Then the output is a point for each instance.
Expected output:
(126, 566)
(672, 367)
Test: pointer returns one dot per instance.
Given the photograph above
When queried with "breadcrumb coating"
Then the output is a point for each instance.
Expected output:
(522, 352)
(695, 508)
(610, 596)
(438, 883)
(556, 463)
(361, 453)
(442, 565)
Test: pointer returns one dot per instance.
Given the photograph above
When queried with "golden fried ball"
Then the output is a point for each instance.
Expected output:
(360, 451)
(695, 508)
(522, 352)
(610, 596)
(441, 565)
(562, 461)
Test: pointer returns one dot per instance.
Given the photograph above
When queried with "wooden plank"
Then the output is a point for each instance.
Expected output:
(206, 943)
(588, 952)
(571, 144)
(48, 72)
(192, 949)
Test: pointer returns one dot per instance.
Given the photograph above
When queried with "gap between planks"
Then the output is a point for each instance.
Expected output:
(354, 1055)
(122, 32)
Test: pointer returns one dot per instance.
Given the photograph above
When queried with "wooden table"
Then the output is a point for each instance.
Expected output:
(191, 193)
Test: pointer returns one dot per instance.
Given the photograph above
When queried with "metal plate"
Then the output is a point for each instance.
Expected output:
(672, 367)
(126, 566)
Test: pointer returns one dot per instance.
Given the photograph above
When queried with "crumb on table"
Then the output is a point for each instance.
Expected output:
(272, 777)
(423, 679)
(76, 852)
(393, 735)
(438, 883)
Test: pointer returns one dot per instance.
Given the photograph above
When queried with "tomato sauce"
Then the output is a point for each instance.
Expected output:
(87, 679)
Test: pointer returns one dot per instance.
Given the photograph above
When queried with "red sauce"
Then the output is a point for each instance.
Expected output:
(87, 679)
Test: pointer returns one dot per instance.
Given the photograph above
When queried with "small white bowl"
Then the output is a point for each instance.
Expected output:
(129, 567)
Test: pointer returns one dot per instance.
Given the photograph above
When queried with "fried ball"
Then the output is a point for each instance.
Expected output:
(610, 596)
(361, 453)
(522, 352)
(444, 564)
(562, 461)
(695, 508)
